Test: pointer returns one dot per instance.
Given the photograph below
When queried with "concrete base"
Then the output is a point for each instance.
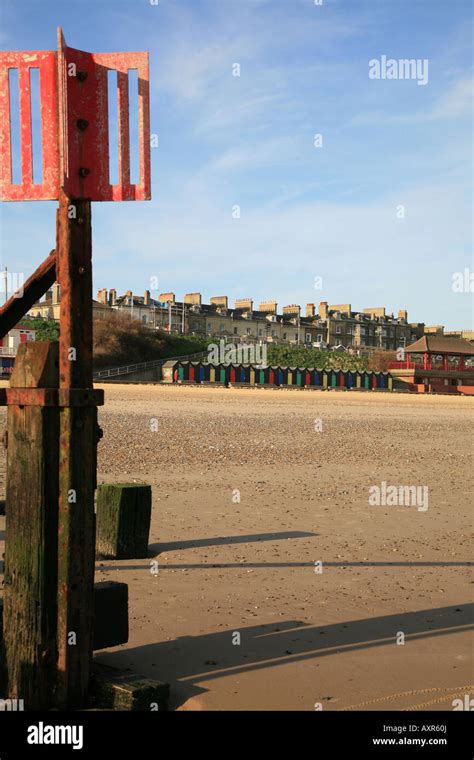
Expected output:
(112, 689)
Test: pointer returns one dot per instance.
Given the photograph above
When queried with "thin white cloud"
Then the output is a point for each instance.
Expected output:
(353, 245)
(456, 102)
(192, 73)
(270, 152)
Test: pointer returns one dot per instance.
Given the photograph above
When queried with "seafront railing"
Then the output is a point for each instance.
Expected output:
(128, 369)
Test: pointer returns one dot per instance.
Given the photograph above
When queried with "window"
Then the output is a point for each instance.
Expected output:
(222, 328)
(284, 336)
(338, 330)
(296, 336)
(260, 331)
(319, 338)
(235, 331)
(144, 319)
(248, 330)
(308, 337)
(273, 333)
(453, 362)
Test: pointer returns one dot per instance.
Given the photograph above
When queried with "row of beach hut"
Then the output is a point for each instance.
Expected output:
(250, 375)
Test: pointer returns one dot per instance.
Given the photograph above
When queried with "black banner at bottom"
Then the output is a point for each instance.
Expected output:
(121, 734)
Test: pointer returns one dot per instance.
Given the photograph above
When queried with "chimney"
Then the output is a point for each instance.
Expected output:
(167, 297)
(293, 309)
(323, 309)
(344, 308)
(112, 297)
(146, 298)
(379, 311)
(194, 299)
(56, 293)
(403, 314)
(221, 301)
(244, 303)
(310, 310)
(102, 296)
(268, 307)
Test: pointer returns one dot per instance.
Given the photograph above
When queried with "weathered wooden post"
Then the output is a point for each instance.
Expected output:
(123, 520)
(30, 582)
(54, 641)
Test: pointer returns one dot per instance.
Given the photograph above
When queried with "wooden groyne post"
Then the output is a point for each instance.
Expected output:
(47, 636)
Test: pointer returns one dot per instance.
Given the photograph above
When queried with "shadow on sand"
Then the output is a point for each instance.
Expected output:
(187, 660)
(172, 546)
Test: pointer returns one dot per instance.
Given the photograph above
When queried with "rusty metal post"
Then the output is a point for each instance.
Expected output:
(16, 307)
(77, 455)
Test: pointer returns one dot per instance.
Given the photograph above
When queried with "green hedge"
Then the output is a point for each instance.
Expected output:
(284, 356)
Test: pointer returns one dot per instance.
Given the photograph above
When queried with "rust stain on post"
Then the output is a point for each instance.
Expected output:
(77, 456)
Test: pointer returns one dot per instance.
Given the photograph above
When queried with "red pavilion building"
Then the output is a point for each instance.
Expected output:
(436, 364)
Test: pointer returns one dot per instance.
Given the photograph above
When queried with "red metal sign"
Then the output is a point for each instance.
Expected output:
(74, 119)
(23, 63)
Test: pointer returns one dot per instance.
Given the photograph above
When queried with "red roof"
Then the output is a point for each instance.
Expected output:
(23, 326)
(439, 344)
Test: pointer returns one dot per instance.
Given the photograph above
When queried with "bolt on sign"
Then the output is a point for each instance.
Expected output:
(74, 124)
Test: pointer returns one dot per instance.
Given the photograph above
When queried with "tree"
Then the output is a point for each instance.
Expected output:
(46, 329)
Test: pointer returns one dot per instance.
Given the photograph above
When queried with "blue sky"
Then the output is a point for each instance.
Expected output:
(306, 212)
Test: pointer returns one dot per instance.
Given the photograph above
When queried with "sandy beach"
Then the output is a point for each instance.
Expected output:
(279, 585)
